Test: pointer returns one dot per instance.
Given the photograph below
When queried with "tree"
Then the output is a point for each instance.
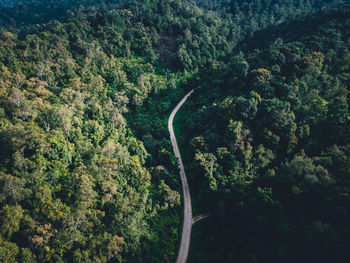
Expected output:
(208, 163)
(8, 251)
(11, 217)
(13, 188)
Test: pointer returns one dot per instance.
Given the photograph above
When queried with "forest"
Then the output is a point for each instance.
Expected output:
(87, 170)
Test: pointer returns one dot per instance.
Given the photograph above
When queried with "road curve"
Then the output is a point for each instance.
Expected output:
(187, 224)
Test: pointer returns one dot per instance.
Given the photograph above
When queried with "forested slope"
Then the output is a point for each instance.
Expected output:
(19, 14)
(74, 185)
(87, 172)
(269, 139)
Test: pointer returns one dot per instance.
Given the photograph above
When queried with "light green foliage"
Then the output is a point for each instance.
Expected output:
(8, 251)
(11, 217)
(73, 177)
(208, 162)
(265, 137)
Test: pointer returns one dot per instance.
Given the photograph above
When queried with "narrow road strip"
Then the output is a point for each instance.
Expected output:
(187, 223)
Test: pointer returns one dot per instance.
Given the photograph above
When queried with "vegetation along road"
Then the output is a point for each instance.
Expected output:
(187, 224)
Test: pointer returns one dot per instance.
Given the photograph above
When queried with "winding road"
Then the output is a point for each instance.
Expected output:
(188, 221)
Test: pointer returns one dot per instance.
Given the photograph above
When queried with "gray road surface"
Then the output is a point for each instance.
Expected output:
(187, 223)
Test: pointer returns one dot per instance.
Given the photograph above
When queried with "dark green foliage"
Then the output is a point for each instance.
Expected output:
(87, 172)
(270, 150)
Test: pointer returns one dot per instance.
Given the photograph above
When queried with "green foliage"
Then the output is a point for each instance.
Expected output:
(74, 185)
(267, 130)
(265, 152)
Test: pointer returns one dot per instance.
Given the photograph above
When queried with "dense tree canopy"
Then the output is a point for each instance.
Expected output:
(269, 150)
(87, 172)
(74, 184)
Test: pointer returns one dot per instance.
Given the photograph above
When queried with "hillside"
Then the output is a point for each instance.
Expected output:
(87, 170)
(268, 133)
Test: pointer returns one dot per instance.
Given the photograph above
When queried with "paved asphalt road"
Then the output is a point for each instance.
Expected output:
(187, 224)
